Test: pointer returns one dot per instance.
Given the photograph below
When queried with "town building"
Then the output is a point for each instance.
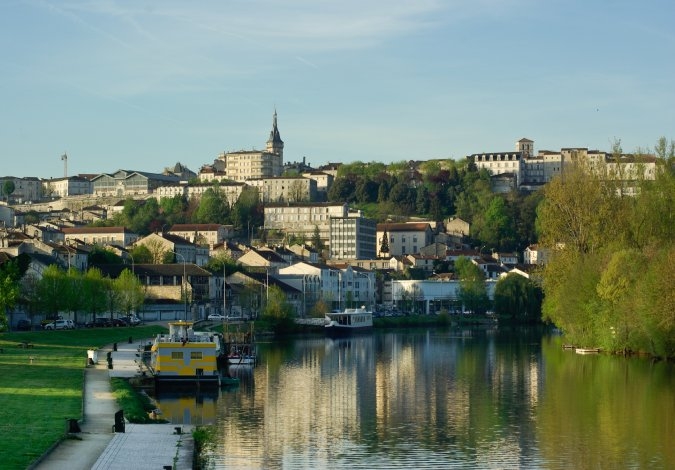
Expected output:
(67, 186)
(302, 220)
(162, 245)
(352, 238)
(521, 169)
(26, 190)
(285, 189)
(118, 236)
(203, 234)
(403, 237)
(243, 165)
(124, 183)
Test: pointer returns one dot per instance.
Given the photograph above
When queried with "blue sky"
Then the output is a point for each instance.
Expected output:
(141, 85)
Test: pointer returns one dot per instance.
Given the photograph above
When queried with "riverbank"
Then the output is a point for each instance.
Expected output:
(44, 386)
(99, 441)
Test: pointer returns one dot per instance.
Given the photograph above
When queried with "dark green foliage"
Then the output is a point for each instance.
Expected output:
(609, 280)
(517, 299)
(102, 255)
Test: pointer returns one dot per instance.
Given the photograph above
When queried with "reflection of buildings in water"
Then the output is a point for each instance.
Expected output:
(325, 389)
(196, 408)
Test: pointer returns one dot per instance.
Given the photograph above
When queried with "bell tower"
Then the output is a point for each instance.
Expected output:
(274, 143)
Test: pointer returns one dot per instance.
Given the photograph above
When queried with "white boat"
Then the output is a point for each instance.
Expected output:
(185, 356)
(587, 350)
(351, 320)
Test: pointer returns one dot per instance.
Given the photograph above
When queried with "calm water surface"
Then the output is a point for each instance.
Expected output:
(439, 398)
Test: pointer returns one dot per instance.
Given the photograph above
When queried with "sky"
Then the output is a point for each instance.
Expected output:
(141, 85)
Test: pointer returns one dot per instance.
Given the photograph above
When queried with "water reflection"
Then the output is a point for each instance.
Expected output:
(445, 398)
(195, 408)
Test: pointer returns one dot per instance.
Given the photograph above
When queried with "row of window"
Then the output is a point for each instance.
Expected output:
(193, 355)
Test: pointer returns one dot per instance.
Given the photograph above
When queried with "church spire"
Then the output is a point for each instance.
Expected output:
(274, 143)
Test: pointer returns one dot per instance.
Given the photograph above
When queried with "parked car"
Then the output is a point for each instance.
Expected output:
(60, 325)
(133, 320)
(119, 322)
(24, 325)
(98, 322)
(216, 317)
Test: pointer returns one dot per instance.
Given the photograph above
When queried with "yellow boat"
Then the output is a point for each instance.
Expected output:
(186, 356)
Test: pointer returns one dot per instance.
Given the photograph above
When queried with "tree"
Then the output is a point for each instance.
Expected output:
(384, 244)
(472, 288)
(8, 188)
(72, 292)
(141, 254)
(578, 211)
(517, 299)
(213, 208)
(496, 230)
(129, 292)
(297, 192)
(277, 310)
(157, 251)
(9, 290)
(50, 291)
(246, 212)
(317, 242)
(93, 292)
(103, 255)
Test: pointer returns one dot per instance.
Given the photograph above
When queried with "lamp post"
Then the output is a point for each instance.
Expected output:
(183, 283)
(370, 289)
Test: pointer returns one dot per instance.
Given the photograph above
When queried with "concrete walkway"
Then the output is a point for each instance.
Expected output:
(98, 447)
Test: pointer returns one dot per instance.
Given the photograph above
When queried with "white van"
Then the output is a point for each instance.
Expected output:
(60, 325)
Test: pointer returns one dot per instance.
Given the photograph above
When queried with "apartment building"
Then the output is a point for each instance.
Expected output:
(285, 189)
(118, 236)
(352, 238)
(244, 165)
(403, 238)
(302, 219)
(203, 234)
(68, 186)
(25, 189)
(521, 169)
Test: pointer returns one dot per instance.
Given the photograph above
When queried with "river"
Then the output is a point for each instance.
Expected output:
(438, 398)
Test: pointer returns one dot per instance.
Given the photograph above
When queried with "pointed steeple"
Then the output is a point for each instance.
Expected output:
(274, 143)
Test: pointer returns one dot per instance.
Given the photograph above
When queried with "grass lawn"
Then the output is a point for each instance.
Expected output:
(41, 386)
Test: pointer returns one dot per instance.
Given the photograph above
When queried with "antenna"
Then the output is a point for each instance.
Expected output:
(64, 159)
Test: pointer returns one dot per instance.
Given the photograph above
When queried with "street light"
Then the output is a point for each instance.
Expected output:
(183, 283)
(370, 289)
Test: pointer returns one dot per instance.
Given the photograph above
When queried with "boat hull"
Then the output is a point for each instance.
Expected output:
(350, 321)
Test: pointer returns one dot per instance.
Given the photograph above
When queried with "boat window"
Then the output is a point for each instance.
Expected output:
(196, 355)
(176, 354)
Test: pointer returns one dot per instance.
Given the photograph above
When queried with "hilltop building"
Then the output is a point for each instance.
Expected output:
(249, 164)
(521, 169)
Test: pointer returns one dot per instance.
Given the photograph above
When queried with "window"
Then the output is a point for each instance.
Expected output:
(196, 355)
(176, 354)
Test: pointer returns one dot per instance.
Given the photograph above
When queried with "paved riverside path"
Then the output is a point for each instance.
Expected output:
(98, 447)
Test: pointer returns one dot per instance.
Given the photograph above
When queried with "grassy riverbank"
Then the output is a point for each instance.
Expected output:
(42, 385)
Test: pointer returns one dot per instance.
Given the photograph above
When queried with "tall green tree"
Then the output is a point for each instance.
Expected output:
(8, 188)
(9, 290)
(129, 292)
(517, 299)
(472, 288)
(50, 291)
(93, 292)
